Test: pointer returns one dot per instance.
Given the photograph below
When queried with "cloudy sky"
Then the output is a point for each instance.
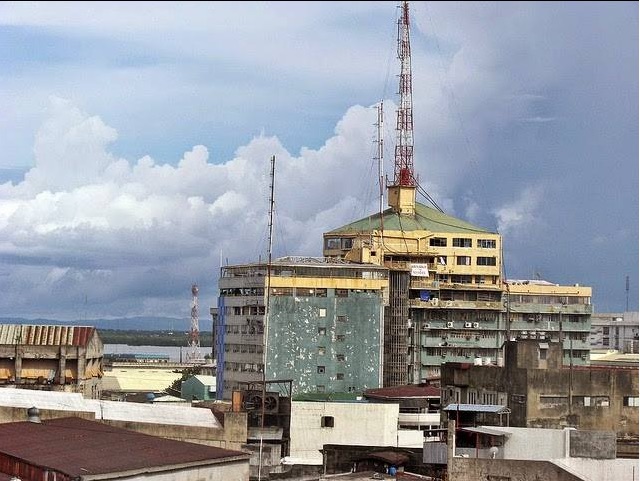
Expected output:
(136, 138)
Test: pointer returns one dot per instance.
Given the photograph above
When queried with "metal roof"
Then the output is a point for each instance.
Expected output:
(478, 408)
(23, 334)
(79, 447)
(487, 430)
(425, 219)
(109, 410)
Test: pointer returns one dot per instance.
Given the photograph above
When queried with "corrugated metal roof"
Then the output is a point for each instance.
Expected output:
(138, 379)
(425, 219)
(78, 447)
(409, 391)
(39, 335)
(478, 408)
(486, 430)
(109, 410)
(206, 380)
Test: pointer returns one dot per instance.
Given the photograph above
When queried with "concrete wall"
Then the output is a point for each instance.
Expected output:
(599, 470)
(468, 469)
(536, 444)
(592, 444)
(362, 424)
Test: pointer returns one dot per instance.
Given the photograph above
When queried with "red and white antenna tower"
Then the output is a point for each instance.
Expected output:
(403, 167)
(194, 354)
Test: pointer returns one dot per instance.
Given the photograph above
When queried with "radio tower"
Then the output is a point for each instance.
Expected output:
(402, 193)
(194, 354)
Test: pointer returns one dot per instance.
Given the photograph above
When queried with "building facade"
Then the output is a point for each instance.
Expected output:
(52, 358)
(448, 300)
(540, 391)
(617, 331)
(315, 321)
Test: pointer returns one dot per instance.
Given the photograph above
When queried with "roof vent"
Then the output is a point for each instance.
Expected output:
(33, 415)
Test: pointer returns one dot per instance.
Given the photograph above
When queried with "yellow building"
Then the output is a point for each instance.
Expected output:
(448, 300)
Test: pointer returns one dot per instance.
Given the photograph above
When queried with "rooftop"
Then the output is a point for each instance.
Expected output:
(408, 391)
(78, 447)
(425, 219)
(17, 334)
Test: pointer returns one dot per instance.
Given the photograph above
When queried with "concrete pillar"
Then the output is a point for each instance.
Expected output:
(62, 364)
(451, 446)
(18, 365)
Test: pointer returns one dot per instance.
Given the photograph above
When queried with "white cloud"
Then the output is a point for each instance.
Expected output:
(516, 218)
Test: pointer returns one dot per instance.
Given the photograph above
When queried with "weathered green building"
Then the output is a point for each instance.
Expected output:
(313, 320)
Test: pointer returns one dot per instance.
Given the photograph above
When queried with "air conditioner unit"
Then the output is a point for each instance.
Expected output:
(531, 319)
(476, 325)
(449, 324)
(426, 325)
(435, 301)
(467, 324)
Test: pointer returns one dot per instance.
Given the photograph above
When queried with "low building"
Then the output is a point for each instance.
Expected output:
(539, 391)
(198, 388)
(615, 331)
(52, 358)
(181, 423)
(78, 449)
(315, 424)
(528, 454)
(419, 411)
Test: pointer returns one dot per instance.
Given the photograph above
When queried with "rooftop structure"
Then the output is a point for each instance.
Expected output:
(79, 449)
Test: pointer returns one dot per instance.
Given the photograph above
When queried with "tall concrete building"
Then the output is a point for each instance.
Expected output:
(448, 300)
(315, 321)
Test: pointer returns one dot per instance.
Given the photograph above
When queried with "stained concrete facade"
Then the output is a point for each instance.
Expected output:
(615, 331)
(323, 329)
(542, 392)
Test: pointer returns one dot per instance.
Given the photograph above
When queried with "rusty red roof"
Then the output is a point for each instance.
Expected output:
(79, 447)
(400, 392)
(39, 335)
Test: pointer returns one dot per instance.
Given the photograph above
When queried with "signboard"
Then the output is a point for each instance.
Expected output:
(420, 270)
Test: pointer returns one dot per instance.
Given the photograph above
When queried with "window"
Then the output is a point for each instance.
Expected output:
(321, 351)
(322, 331)
(320, 369)
(438, 242)
(347, 243)
(340, 376)
(319, 388)
(463, 260)
(342, 318)
(461, 242)
(551, 401)
(340, 338)
(486, 261)
(342, 292)
(322, 312)
(631, 401)
(340, 357)
(486, 243)
(326, 421)
(332, 243)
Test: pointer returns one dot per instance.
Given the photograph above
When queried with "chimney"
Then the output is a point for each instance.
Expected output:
(33, 415)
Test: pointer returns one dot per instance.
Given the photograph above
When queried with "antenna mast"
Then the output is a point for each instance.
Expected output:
(402, 193)
(380, 157)
(403, 167)
(194, 333)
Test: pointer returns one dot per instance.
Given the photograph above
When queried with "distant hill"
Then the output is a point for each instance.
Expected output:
(119, 324)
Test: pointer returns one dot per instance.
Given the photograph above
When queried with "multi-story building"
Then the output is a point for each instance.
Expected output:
(445, 286)
(539, 390)
(52, 358)
(618, 331)
(448, 300)
(315, 321)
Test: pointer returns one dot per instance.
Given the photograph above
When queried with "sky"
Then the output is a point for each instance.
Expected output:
(137, 137)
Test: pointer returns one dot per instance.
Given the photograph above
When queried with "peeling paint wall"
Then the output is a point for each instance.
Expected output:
(326, 344)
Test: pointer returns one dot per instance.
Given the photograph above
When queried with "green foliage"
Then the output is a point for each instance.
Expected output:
(174, 389)
(151, 338)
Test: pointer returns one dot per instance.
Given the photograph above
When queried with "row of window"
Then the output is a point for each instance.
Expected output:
(243, 367)
(463, 242)
(243, 348)
(244, 329)
(480, 261)
(533, 299)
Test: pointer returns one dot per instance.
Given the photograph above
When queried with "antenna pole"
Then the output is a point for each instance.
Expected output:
(403, 167)
(266, 312)
(627, 288)
(380, 157)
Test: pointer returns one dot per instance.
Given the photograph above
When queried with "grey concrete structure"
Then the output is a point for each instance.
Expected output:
(617, 331)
